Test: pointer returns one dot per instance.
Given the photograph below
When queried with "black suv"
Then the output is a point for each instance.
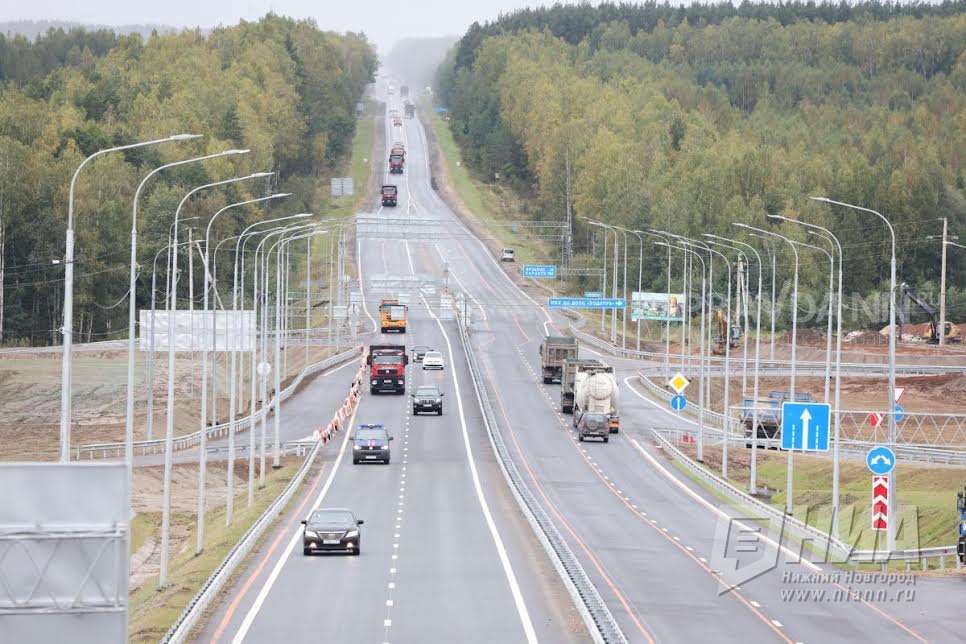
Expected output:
(428, 398)
(370, 444)
(595, 425)
(331, 529)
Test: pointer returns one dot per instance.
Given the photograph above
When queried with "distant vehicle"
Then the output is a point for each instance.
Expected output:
(568, 375)
(428, 398)
(419, 351)
(404, 91)
(433, 360)
(593, 425)
(370, 444)
(769, 414)
(393, 315)
(331, 530)
(398, 148)
(961, 508)
(387, 368)
(396, 162)
(410, 110)
(553, 351)
(508, 255)
(389, 193)
(595, 391)
(397, 122)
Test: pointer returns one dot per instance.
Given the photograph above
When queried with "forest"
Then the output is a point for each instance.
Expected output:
(691, 118)
(285, 89)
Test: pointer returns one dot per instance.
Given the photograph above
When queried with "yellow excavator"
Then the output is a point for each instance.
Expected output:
(721, 332)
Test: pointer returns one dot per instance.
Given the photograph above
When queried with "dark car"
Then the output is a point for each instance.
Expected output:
(331, 530)
(594, 425)
(370, 444)
(419, 351)
(428, 398)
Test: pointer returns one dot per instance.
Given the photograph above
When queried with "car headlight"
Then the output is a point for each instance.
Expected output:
(439, 401)
(375, 382)
(351, 534)
(312, 534)
(357, 447)
(399, 381)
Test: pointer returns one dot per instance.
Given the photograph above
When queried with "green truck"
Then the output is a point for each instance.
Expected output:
(553, 351)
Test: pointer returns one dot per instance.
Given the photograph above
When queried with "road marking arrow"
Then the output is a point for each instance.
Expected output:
(806, 439)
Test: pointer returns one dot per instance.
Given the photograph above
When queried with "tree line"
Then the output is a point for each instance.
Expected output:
(690, 118)
(282, 88)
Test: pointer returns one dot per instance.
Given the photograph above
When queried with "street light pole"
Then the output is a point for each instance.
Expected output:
(789, 501)
(893, 432)
(132, 305)
(68, 327)
(726, 405)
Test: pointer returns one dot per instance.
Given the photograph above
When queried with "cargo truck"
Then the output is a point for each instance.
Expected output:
(392, 316)
(396, 162)
(410, 110)
(595, 391)
(389, 194)
(961, 507)
(387, 368)
(769, 414)
(398, 148)
(404, 91)
(553, 351)
(568, 373)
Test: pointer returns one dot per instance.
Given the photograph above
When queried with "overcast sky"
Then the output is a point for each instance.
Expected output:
(384, 21)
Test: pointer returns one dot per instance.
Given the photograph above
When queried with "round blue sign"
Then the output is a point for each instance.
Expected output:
(880, 460)
(678, 402)
(899, 411)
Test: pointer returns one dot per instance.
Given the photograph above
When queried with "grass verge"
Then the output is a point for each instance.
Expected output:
(152, 611)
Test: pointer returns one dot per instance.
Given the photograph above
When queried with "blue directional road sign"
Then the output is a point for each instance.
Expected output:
(805, 426)
(593, 294)
(881, 460)
(679, 402)
(899, 411)
(585, 302)
(540, 270)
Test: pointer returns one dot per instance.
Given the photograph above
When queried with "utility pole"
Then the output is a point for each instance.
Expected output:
(568, 247)
(2, 244)
(942, 288)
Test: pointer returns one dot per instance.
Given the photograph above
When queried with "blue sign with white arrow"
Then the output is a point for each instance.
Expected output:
(586, 302)
(899, 411)
(678, 402)
(805, 426)
(540, 270)
(593, 294)
(881, 460)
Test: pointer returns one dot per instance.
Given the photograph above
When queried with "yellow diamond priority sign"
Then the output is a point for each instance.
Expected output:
(679, 383)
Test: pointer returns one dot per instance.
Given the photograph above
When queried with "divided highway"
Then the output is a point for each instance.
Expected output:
(446, 553)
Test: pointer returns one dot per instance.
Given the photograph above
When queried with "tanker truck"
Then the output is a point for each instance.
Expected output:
(595, 391)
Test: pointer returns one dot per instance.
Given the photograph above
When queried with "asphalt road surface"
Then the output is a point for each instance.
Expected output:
(446, 555)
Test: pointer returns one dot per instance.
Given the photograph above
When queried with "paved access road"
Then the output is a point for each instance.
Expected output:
(433, 568)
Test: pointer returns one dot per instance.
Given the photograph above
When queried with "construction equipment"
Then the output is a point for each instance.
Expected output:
(553, 351)
(595, 392)
(906, 295)
(722, 329)
(568, 375)
(392, 315)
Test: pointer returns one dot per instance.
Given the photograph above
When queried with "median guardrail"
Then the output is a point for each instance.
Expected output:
(596, 616)
(187, 441)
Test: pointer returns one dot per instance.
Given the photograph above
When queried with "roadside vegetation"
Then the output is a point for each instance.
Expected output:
(689, 119)
(282, 88)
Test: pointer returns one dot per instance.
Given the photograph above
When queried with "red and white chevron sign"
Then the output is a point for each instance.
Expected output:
(880, 502)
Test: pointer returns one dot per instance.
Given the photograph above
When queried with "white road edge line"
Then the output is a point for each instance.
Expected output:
(267, 586)
(497, 540)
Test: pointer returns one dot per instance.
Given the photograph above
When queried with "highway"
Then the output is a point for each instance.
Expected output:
(447, 555)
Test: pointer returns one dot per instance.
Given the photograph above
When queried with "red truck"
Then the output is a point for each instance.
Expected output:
(387, 368)
(389, 193)
(396, 162)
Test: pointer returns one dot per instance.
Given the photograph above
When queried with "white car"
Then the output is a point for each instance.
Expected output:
(432, 360)
(508, 255)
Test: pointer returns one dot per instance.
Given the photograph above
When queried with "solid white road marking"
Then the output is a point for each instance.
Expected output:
(296, 537)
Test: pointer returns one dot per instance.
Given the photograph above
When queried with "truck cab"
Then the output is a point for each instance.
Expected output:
(392, 316)
(769, 411)
(396, 164)
(387, 368)
(389, 193)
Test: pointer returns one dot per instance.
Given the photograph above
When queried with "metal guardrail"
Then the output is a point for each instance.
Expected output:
(855, 437)
(189, 617)
(850, 444)
(822, 540)
(597, 617)
(187, 441)
(767, 366)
